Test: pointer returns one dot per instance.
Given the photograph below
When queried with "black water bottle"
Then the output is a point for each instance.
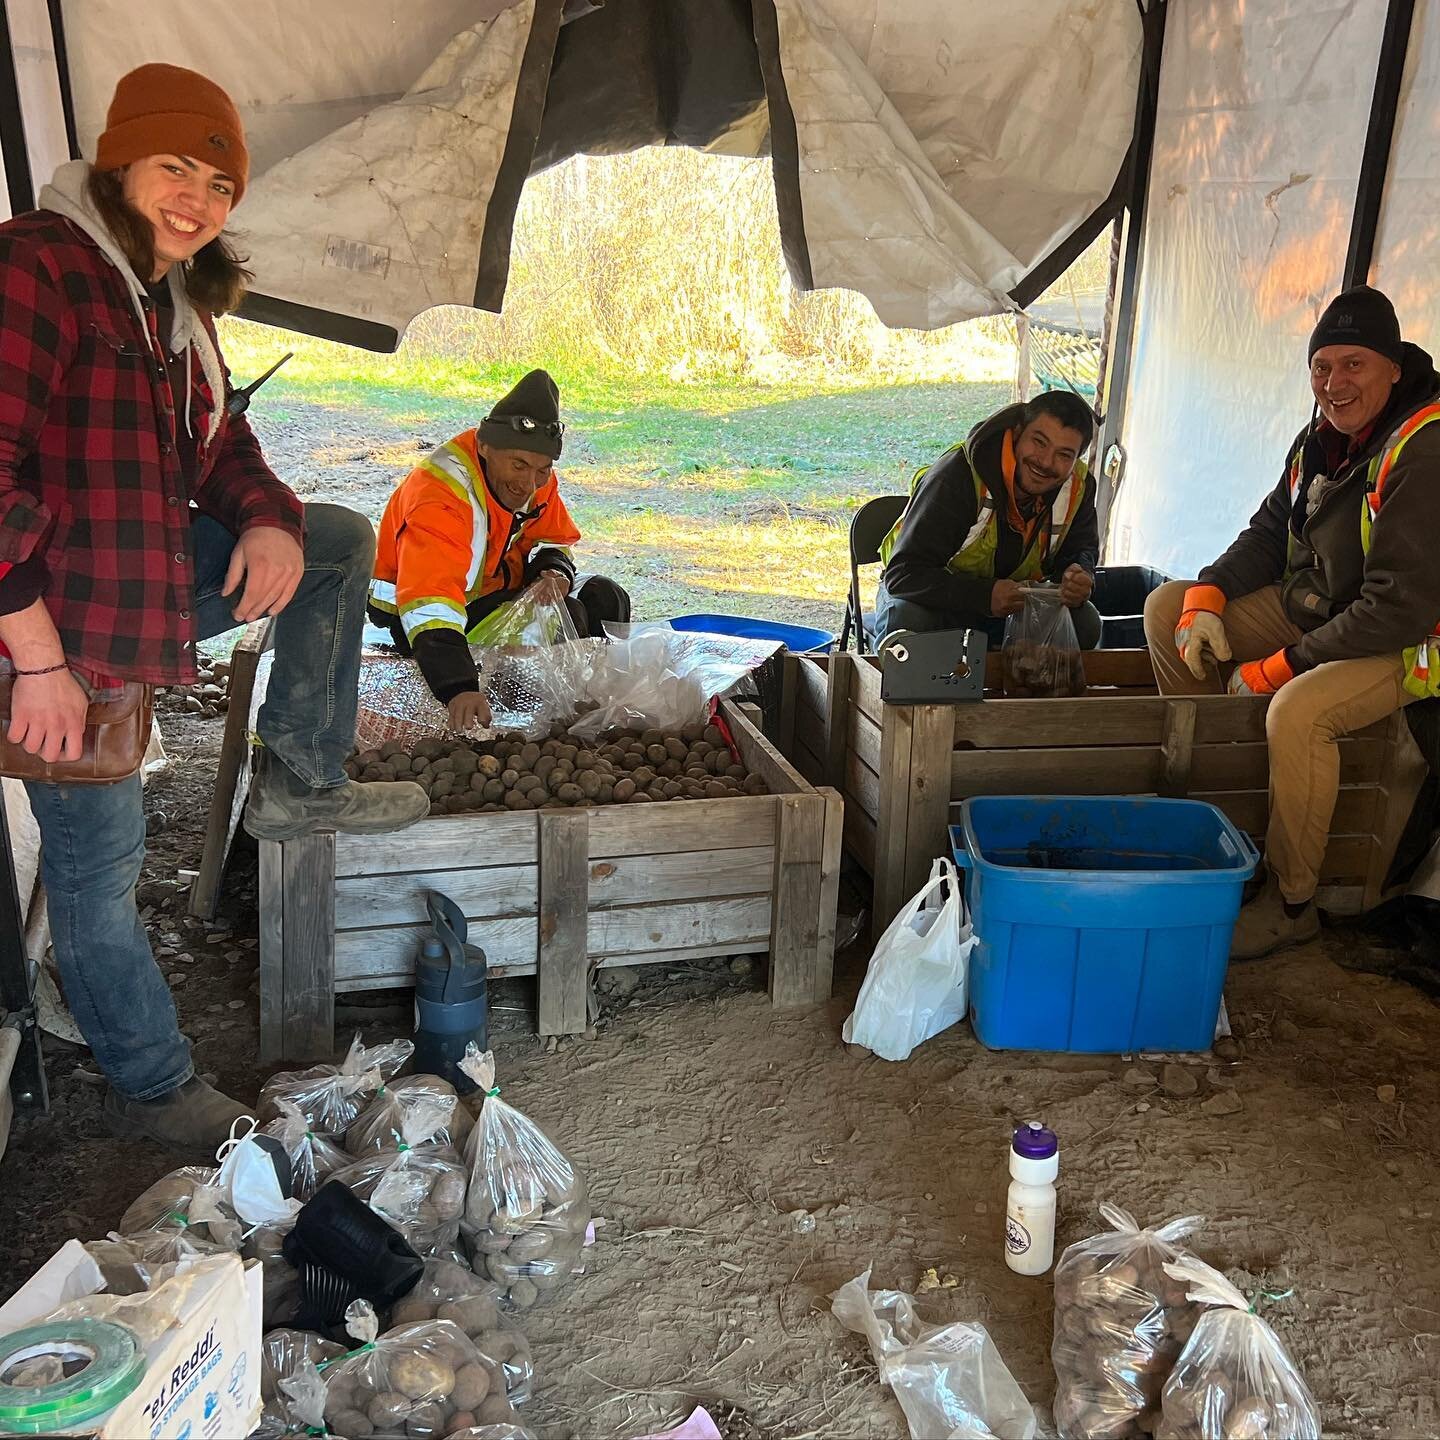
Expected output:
(450, 1010)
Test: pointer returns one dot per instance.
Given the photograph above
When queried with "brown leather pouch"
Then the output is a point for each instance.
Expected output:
(117, 734)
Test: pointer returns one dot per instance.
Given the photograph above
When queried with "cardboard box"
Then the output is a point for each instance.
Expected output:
(202, 1380)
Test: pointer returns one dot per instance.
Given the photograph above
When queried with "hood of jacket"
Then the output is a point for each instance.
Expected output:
(68, 195)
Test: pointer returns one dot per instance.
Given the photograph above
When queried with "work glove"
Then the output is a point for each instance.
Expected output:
(1200, 633)
(1262, 677)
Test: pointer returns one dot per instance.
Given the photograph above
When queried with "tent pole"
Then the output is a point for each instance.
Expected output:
(62, 74)
(1122, 337)
(1375, 162)
(12, 127)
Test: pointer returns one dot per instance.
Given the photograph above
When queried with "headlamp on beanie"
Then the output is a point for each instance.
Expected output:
(528, 418)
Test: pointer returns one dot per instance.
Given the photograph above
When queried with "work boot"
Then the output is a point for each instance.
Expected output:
(283, 806)
(1264, 926)
(194, 1117)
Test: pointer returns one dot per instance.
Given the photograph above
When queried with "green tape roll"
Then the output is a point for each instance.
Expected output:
(59, 1375)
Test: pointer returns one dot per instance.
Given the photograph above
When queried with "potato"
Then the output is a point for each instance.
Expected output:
(657, 754)
(526, 783)
(644, 777)
(524, 1292)
(691, 734)
(605, 794)
(589, 783)
(427, 1422)
(472, 1387)
(493, 790)
(497, 1410)
(421, 1376)
(411, 1311)
(754, 785)
(569, 794)
(585, 759)
(461, 1421)
(713, 735)
(515, 800)
(350, 1423)
(676, 748)
(388, 1409)
(715, 790)
(488, 766)
(567, 752)
(529, 754)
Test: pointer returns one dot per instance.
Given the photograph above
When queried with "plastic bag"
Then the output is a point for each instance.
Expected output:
(331, 1096)
(452, 1291)
(313, 1158)
(915, 986)
(396, 704)
(654, 678)
(283, 1352)
(147, 1314)
(186, 1201)
(418, 1186)
(1120, 1325)
(949, 1379)
(523, 623)
(279, 1279)
(416, 1380)
(527, 1209)
(1041, 656)
(384, 1117)
(132, 1263)
(1234, 1380)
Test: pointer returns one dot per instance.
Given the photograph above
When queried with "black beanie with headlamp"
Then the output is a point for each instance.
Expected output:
(528, 418)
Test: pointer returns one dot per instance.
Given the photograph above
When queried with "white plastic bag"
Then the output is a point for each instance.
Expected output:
(1233, 1380)
(949, 1379)
(916, 984)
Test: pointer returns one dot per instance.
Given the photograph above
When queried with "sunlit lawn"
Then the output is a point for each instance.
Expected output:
(724, 495)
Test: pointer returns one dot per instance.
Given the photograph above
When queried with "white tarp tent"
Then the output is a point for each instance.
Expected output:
(926, 154)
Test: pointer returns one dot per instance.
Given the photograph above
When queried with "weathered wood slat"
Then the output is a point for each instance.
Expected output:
(309, 945)
(564, 901)
(364, 901)
(1355, 808)
(362, 957)
(862, 788)
(808, 764)
(810, 730)
(442, 843)
(795, 928)
(695, 875)
(789, 695)
(1104, 770)
(761, 757)
(830, 858)
(1126, 669)
(812, 683)
(932, 743)
(1177, 747)
(272, 951)
(865, 738)
(681, 826)
(864, 684)
(1247, 767)
(860, 837)
(1347, 859)
(837, 711)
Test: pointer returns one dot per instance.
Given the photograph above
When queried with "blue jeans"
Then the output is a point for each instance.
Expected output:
(93, 836)
(892, 614)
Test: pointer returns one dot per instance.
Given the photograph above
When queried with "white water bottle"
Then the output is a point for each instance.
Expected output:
(1030, 1206)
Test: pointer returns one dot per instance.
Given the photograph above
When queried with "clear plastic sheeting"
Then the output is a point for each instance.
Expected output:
(945, 148)
(949, 1379)
(1258, 139)
(1404, 266)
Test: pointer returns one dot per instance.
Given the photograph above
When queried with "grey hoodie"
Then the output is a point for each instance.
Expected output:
(66, 195)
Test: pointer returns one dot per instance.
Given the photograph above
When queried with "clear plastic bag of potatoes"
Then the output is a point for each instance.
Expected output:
(414, 1380)
(291, 1386)
(527, 1209)
(186, 1201)
(1120, 1325)
(1234, 1379)
(417, 1185)
(385, 1116)
(451, 1291)
(331, 1096)
(313, 1158)
(1041, 655)
(949, 1379)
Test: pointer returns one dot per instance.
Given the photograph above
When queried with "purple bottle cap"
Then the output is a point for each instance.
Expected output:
(1034, 1142)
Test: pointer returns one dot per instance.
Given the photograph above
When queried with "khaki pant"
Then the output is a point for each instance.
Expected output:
(1305, 719)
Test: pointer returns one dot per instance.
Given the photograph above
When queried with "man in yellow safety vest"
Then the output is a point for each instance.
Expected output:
(1328, 600)
(1013, 504)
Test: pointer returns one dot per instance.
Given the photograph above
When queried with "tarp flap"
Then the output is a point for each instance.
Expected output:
(1409, 236)
(655, 72)
(1258, 138)
(391, 206)
(944, 149)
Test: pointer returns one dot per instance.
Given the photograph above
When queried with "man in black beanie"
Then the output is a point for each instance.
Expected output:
(1329, 600)
(479, 522)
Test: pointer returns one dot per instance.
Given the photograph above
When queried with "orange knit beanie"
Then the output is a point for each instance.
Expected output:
(168, 110)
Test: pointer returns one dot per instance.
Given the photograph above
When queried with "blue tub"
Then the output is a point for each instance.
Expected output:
(1103, 922)
(793, 637)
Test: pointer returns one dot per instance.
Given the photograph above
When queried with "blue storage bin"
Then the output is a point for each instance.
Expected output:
(793, 637)
(1103, 922)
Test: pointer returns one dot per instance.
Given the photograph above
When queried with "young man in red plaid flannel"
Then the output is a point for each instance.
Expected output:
(137, 516)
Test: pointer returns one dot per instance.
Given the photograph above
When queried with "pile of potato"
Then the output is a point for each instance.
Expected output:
(1028, 669)
(513, 773)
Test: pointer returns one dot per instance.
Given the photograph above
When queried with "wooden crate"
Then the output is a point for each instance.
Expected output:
(553, 893)
(904, 769)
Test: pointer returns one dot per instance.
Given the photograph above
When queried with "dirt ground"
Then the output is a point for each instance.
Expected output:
(705, 1121)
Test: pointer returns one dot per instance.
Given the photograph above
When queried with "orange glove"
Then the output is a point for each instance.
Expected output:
(1262, 677)
(1200, 632)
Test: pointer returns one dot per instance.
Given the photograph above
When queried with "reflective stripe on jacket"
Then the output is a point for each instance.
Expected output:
(445, 539)
(1422, 661)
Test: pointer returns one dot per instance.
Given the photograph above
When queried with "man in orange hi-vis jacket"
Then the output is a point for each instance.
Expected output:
(480, 521)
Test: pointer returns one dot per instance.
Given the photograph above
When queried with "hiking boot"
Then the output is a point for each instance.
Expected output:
(1263, 926)
(194, 1117)
(283, 806)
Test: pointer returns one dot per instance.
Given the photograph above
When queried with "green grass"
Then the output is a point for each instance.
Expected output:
(721, 494)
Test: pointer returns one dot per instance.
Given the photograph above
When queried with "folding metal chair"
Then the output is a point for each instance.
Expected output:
(872, 523)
